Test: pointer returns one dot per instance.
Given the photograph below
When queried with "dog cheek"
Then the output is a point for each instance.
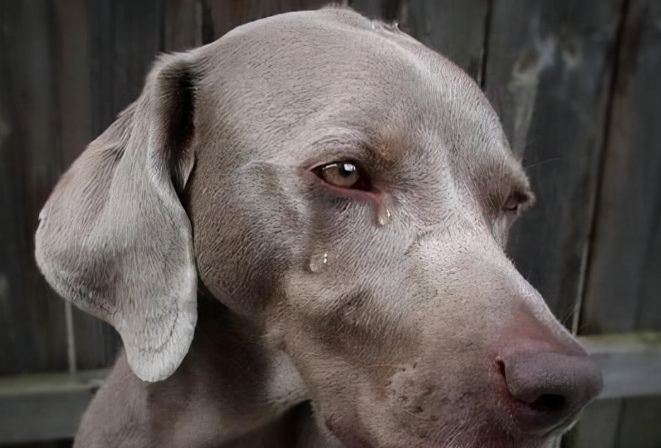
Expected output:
(244, 244)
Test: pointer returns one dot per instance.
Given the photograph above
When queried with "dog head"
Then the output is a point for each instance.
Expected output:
(348, 190)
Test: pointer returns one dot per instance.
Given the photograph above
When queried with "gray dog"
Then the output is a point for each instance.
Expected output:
(298, 232)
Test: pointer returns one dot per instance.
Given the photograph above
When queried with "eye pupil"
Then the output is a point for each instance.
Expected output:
(342, 175)
(346, 169)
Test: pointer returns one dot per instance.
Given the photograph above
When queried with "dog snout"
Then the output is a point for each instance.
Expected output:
(547, 389)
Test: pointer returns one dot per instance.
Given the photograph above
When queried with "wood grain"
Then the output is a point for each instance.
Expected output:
(220, 16)
(454, 29)
(623, 288)
(39, 407)
(32, 318)
(182, 24)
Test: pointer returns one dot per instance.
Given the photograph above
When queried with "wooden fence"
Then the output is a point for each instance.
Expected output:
(578, 87)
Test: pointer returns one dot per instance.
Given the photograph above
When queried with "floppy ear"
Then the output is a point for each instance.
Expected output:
(113, 237)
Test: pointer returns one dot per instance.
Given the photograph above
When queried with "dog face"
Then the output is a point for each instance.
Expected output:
(348, 190)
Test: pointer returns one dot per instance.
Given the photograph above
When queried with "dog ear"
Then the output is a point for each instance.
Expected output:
(113, 237)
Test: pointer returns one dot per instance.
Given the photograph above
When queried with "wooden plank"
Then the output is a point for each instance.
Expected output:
(631, 366)
(44, 407)
(630, 362)
(73, 78)
(639, 426)
(597, 426)
(32, 336)
(455, 29)
(623, 284)
(220, 16)
(548, 72)
(182, 24)
(630, 423)
(224, 15)
(10, 267)
(387, 10)
(137, 41)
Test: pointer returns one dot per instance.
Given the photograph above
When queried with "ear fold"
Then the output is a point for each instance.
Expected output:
(113, 237)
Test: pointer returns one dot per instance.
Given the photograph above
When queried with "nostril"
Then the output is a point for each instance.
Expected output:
(549, 403)
(500, 365)
(547, 389)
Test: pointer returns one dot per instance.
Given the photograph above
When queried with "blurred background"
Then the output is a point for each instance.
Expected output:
(576, 83)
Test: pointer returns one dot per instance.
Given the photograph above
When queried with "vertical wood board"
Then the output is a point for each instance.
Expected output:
(221, 16)
(623, 291)
(33, 336)
(182, 23)
(454, 29)
(548, 73)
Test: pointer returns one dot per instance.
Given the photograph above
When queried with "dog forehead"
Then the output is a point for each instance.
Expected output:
(305, 74)
(338, 57)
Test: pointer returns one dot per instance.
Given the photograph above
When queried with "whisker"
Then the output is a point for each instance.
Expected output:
(542, 162)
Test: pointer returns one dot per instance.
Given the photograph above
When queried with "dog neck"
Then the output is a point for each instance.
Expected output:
(242, 384)
(231, 390)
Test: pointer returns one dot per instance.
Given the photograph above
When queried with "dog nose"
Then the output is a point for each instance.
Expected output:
(549, 388)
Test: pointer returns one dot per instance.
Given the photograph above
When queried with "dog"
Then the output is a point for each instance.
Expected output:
(298, 231)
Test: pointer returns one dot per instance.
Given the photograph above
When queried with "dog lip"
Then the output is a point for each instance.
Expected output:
(522, 412)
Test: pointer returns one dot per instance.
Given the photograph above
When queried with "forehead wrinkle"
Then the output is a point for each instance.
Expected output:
(386, 141)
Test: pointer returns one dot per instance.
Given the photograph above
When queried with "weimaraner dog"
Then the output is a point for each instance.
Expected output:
(298, 232)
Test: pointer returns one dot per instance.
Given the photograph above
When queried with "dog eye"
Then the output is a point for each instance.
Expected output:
(516, 202)
(511, 207)
(342, 175)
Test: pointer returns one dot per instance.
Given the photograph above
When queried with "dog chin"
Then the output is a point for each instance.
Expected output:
(496, 440)
(479, 438)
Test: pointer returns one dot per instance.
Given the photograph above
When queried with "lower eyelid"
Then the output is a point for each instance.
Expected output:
(352, 193)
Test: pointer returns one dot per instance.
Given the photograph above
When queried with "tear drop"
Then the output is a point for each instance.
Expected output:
(382, 214)
(318, 262)
(382, 208)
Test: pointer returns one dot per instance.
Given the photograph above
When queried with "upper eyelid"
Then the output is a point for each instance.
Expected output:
(337, 161)
(519, 195)
(346, 144)
(336, 154)
(525, 198)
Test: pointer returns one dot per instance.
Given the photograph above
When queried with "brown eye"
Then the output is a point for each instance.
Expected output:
(341, 174)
